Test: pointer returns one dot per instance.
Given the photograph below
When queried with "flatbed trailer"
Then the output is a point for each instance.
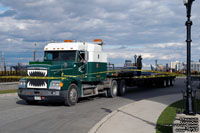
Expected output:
(120, 80)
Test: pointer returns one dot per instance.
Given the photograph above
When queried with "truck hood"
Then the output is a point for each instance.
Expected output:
(54, 68)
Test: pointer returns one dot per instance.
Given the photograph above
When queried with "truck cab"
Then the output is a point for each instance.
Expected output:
(70, 69)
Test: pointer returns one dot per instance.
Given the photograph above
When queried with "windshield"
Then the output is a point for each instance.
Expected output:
(60, 56)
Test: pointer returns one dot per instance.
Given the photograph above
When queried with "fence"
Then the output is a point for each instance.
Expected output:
(11, 73)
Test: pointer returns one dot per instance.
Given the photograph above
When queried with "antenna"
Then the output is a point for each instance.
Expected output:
(34, 53)
(3, 64)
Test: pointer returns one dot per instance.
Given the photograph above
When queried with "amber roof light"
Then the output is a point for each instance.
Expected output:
(97, 40)
(67, 40)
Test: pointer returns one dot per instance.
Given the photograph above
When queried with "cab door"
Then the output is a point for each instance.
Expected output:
(81, 64)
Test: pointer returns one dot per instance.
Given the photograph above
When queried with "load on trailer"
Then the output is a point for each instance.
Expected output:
(72, 69)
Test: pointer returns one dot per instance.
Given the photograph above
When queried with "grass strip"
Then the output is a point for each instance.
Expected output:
(168, 115)
(8, 91)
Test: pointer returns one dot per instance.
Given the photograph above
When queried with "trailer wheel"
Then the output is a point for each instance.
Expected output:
(122, 88)
(165, 83)
(172, 82)
(112, 91)
(72, 95)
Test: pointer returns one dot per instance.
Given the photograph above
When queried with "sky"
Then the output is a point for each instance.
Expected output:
(154, 29)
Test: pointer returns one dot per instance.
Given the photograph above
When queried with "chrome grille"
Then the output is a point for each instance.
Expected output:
(37, 83)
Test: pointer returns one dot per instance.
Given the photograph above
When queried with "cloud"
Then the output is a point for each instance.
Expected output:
(152, 28)
(128, 55)
(8, 13)
(169, 45)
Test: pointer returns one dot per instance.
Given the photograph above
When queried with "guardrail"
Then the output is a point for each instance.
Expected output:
(11, 73)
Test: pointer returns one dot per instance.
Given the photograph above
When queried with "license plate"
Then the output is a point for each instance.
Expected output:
(37, 98)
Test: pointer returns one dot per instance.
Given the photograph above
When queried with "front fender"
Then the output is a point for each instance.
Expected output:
(68, 81)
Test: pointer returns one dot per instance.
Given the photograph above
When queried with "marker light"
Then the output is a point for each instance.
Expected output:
(61, 84)
(67, 40)
(97, 40)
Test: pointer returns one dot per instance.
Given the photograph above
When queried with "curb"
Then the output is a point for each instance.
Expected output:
(96, 127)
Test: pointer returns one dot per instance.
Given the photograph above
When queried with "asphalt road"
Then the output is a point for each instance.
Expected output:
(18, 117)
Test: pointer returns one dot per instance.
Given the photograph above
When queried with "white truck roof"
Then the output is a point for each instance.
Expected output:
(73, 46)
(95, 50)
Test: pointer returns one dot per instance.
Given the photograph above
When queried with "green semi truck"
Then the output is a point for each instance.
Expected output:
(72, 69)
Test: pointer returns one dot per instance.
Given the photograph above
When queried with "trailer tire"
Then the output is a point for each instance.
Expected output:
(172, 82)
(122, 88)
(112, 91)
(71, 95)
(165, 83)
(168, 82)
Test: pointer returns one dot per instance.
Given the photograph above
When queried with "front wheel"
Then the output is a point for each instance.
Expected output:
(72, 95)
(112, 91)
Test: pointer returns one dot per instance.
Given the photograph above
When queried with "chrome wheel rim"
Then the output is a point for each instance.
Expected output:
(165, 83)
(173, 82)
(123, 88)
(73, 95)
(114, 89)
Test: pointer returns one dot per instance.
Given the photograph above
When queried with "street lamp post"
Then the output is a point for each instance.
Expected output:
(135, 56)
(190, 103)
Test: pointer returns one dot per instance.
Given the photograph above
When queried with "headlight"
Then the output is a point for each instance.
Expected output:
(22, 84)
(56, 85)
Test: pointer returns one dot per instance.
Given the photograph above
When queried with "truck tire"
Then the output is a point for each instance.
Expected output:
(112, 91)
(122, 88)
(72, 95)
